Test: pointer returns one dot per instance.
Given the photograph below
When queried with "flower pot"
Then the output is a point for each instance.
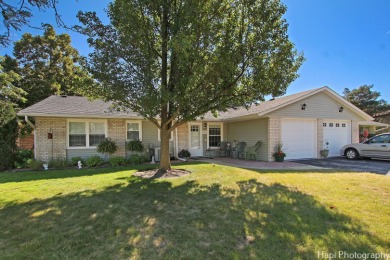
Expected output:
(279, 158)
(324, 153)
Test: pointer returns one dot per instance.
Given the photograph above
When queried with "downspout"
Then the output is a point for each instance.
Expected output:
(29, 122)
(176, 143)
(35, 134)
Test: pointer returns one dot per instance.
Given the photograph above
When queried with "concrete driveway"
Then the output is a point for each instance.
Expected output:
(374, 166)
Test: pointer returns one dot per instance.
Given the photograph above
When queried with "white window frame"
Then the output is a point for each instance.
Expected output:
(86, 124)
(139, 122)
(208, 133)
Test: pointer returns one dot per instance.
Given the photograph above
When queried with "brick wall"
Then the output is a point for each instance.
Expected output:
(183, 138)
(320, 136)
(47, 149)
(26, 142)
(355, 131)
(274, 135)
(117, 132)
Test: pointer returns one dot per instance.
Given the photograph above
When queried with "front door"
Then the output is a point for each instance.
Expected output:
(195, 146)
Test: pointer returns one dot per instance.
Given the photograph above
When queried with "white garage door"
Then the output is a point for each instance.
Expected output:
(299, 138)
(338, 134)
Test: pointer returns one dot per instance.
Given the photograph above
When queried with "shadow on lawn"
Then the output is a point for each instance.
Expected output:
(22, 176)
(66, 173)
(153, 219)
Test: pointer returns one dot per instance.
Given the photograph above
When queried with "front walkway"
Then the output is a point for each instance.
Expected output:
(286, 165)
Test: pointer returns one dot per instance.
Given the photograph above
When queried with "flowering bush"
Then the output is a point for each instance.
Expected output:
(279, 150)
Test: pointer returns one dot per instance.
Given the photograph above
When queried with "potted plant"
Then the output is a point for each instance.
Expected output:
(325, 152)
(184, 154)
(135, 146)
(279, 154)
(107, 146)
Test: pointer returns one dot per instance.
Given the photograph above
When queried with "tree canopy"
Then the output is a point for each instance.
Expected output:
(365, 98)
(10, 95)
(48, 65)
(17, 14)
(180, 59)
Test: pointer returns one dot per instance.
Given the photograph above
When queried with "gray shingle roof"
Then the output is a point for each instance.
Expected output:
(71, 106)
(263, 107)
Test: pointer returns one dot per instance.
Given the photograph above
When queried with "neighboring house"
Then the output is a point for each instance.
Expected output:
(68, 126)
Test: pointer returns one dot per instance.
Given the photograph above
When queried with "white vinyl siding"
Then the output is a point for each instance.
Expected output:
(250, 131)
(317, 106)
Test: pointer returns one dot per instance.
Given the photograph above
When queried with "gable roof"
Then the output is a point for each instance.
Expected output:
(266, 107)
(71, 106)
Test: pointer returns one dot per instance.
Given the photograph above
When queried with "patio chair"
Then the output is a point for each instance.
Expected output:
(223, 147)
(252, 151)
(241, 150)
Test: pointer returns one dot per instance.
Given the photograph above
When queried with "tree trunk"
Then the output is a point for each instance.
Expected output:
(165, 160)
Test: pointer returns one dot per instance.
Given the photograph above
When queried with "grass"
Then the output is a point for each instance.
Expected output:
(217, 212)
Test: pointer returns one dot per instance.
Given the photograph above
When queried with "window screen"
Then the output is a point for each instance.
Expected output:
(133, 131)
(214, 135)
(96, 133)
(77, 135)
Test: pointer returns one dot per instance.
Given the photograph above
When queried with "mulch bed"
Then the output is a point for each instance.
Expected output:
(174, 173)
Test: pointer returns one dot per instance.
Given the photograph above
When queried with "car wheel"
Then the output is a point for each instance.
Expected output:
(352, 154)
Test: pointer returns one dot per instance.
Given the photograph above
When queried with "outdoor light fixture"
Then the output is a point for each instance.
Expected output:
(303, 107)
(341, 109)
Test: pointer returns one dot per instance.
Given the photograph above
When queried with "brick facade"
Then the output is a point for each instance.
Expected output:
(355, 131)
(320, 136)
(274, 135)
(26, 142)
(117, 132)
(46, 148)
(182, 136)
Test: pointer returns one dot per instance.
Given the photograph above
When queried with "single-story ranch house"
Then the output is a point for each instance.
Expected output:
(70, 126)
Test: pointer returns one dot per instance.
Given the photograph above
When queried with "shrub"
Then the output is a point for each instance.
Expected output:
(21, 157)
(75, 160)
(58, 163)
(138, 159)
(8, 135)
(135, 146)
(184, 154)
(107, 146)
(117, 160)
(94, 161)
(34, 164)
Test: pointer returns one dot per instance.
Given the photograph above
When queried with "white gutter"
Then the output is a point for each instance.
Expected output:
(176, 143)
(29, 122)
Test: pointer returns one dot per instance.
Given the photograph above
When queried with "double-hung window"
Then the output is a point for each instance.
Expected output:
(134, 130)
(77, 134)
(86, 134)
(215, 135)
(96, 133)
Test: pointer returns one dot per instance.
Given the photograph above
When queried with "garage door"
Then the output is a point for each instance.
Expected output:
(338, 134)
(299, 138)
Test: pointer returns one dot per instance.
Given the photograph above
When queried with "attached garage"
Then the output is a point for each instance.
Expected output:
(337, 133)
(299, 138)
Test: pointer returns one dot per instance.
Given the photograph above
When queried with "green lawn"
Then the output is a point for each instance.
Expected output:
(217, 212)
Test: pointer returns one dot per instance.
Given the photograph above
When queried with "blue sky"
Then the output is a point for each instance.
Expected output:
(346, 43)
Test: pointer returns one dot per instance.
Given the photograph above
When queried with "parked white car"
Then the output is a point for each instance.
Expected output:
(375, 147)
